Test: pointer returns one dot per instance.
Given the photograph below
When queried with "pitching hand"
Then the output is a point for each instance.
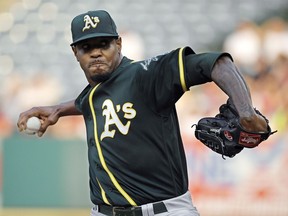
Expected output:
(48, 115)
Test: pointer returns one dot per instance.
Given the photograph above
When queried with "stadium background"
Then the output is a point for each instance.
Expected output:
(48, 176)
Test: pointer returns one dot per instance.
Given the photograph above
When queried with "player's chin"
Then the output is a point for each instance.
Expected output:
(100, 77)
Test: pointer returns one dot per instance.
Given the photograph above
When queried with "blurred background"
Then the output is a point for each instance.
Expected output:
(49, 176)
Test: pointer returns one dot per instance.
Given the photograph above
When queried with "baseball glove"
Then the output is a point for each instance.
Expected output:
(224, 134)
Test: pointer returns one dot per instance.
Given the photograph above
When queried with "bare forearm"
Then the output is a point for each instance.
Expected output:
(49, 115)
(226, 75)
(67, 108)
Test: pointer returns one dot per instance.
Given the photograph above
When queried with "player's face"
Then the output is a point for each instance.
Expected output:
(98, 57)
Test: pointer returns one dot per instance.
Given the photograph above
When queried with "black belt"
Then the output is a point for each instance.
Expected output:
(130, 211)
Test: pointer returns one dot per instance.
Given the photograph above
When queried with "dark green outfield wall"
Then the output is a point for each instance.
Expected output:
(44, 172)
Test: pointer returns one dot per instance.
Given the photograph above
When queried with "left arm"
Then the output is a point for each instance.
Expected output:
(226, 75)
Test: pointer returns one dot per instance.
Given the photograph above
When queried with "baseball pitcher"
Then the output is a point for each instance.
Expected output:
(137, 164)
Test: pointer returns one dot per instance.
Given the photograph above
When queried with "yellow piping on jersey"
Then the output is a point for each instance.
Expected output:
(103, 194)
(181, 70)
(101, 157)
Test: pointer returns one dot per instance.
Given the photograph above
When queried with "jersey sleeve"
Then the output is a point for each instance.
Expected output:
(164, 79)
(79, 100)
(199, 67)
(161, 79)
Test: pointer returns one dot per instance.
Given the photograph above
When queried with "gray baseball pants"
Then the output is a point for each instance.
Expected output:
(178, 206)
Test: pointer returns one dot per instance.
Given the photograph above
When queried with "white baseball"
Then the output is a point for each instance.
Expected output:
(33, 125)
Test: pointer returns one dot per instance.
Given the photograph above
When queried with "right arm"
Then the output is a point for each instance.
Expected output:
(49, 115)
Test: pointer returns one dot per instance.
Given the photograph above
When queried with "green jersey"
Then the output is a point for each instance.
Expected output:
(136, 155)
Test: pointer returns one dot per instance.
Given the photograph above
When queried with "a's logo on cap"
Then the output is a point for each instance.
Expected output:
(90, 22)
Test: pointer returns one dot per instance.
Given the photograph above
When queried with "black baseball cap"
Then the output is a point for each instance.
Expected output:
(92, 24)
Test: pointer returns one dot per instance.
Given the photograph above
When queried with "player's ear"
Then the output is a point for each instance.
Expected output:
(75, 52)
(119, 44)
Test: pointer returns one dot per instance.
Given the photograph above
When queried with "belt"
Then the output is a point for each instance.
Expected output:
(130, 211)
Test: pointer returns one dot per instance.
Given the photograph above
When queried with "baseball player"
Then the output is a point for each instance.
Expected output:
(137, 163)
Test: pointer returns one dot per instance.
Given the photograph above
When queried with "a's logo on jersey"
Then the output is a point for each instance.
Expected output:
(90, 22)
(111, 118)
